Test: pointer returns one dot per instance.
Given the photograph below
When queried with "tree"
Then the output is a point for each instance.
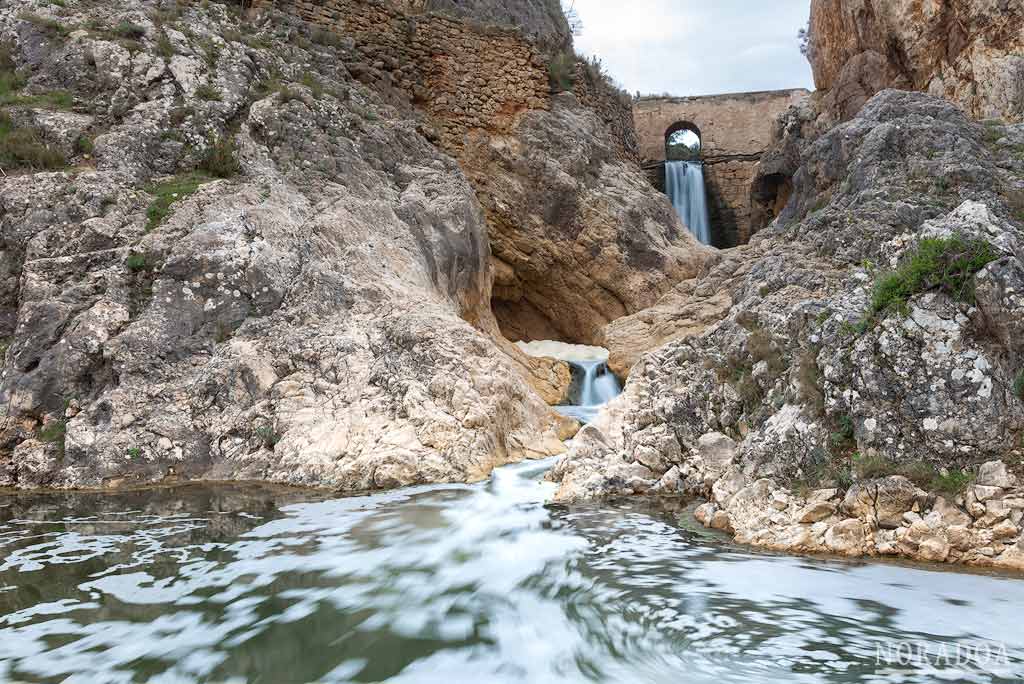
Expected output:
(804, 36)
(572, 17)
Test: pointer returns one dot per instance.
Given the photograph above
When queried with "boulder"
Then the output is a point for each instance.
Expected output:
(883, 502)
(846, 537)
(815, 512)
(994, 474)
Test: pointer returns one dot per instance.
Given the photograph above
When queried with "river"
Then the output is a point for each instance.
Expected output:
(457, 583)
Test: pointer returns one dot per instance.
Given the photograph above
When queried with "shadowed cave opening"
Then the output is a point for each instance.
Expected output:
(768, 197)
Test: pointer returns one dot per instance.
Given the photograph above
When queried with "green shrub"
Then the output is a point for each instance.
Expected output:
(164, 46)
(22, 147)
(944, 264)
(134, 452)
(136, 262)
(84, 145)
(129, 30)
(843, 435)
(168, 192)
(562, 72)
(221, 159)
(208, 92)
(54, 432)
(268, 435)
(1018, 385)
(952, 483)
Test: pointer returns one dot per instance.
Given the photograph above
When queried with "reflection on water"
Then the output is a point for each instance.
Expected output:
(454, 584)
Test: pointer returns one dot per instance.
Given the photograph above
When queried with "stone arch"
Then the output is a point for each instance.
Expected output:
(672, 152)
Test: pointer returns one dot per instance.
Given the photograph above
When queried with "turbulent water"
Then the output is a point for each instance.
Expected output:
(455, 584)
(597, 386)
(684, 183)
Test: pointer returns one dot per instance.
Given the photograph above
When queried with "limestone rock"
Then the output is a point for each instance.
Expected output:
(581, 236)
(323, 318)
(846, 537)
(815, 512)
(950, 514)
(716, 453)
(704, 513)
(1004, 530)
(969, 52)
(995, 474)
(720, 521)
(883, 502)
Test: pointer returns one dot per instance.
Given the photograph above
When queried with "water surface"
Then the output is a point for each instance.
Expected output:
(452, 584)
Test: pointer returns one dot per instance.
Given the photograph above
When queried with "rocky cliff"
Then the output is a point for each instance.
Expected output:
(970, 52)
(870, 332)
(259, 246)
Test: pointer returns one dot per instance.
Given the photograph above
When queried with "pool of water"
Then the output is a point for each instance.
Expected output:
(481, 583)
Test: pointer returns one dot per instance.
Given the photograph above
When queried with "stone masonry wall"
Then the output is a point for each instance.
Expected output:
(613, 106)
(464, 76)
(735, 131)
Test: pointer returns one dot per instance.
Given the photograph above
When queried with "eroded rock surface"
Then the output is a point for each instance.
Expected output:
(321, 318)
(968, 51)
(579, 236)
(800, 377)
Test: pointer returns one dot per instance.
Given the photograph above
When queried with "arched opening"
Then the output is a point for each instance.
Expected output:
(682, 142)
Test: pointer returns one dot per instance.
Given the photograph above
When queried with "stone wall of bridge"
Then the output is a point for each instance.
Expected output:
(735, 130)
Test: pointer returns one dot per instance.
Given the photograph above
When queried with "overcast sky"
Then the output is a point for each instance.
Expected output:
(697, 47)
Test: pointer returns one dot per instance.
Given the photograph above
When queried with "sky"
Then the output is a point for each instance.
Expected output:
(696, 47)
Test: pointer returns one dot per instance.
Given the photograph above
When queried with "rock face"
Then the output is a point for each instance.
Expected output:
(320, 318)
(800, 373)
(578, 235)
(968, 51)
(269, 254)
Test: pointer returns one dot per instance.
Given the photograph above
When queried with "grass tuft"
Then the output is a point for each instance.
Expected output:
(208, 92)
(167, 192)
(562, 72)
(221, 160)
(54, 432)
(921, 473)
(944, 264)
(22, 147)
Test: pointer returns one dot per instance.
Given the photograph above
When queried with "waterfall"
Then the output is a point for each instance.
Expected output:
(597, 386)
(684, 183)
(593, 383)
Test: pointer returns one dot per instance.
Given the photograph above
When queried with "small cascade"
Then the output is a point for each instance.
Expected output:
(684, 184)
(593, 383)
(599, 384)
(595, 386)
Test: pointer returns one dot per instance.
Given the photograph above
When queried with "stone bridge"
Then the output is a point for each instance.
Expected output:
(735, 130)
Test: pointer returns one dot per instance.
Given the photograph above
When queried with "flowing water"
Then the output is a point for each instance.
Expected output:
(684, 183)
(597, 386)
(454, 584)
